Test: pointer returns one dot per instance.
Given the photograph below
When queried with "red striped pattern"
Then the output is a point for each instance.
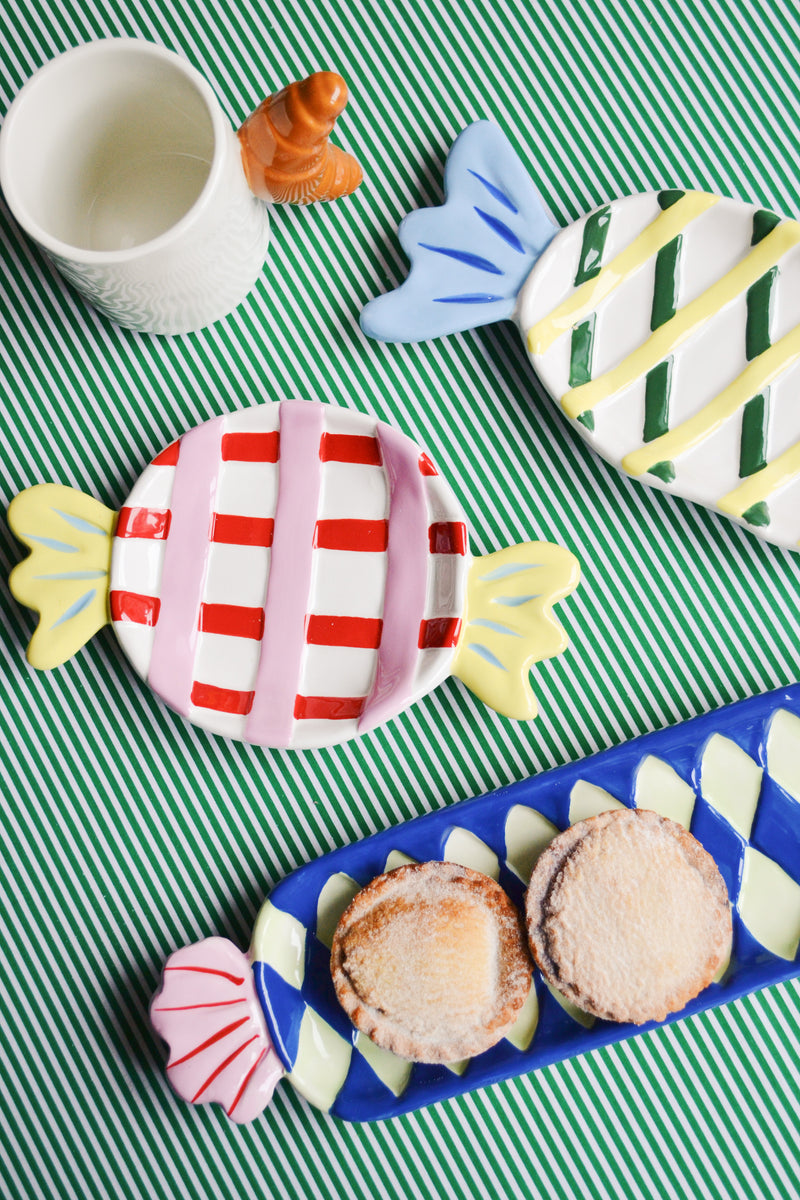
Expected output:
(426, 467)
(168, 456)
(360, 632)
(143, 523)
(438, 632)
(194, 1007)
(237, 979)
(448, 537)
(217, 1037)
(227, 700)
(250, 447)
(328, 708)
(344, 534)
(350, 448)
(130, 606)
(246, 1080)
(242, 531)
(232, 620)
(225, 1063)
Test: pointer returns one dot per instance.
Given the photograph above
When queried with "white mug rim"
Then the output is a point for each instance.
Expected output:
(79, 254)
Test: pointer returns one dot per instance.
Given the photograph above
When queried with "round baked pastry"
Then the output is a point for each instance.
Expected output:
(628, 916)
(430, 962)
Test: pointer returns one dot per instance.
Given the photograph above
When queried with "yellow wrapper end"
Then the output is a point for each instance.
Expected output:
(65, 577)
(509, 623)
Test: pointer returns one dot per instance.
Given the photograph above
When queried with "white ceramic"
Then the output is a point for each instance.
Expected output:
(117, 159)
(291, 574)
(665, 326)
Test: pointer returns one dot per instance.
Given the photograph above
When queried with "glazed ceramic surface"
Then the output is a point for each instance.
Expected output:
(117, 159)
(292, 575)
(144, 206)
(127, 832)
(666, 326)
(732, 778)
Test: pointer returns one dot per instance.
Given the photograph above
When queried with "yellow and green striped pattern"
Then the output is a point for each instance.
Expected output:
(719, 272)
(127, 833)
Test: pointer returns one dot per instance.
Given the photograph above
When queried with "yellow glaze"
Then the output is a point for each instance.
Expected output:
(760, 372)
(586, 298)
(279, 940)
(334, 898)
(730, 781)
(458, 1068)
(583, 1018)
(528, 833)
(392, 1070)
(467, 850)
(660, 788)
(783, 751)
(763, 483)
(396, 858)
(769, 904)
(523, 1029)
(509, 623)
(65, 577)
(588, 800)
(687, 321)
(322, 1063)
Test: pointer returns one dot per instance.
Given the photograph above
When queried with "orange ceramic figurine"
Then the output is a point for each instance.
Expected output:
(285, 150)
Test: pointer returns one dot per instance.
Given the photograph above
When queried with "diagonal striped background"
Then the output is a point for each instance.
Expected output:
(127, 833)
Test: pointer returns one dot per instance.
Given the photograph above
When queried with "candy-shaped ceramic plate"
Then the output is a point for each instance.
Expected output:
(666, 326)
(237, 1023)
(291, 574)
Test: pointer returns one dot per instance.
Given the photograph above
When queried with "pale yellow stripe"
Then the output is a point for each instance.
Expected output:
(760, 486)
(760, 372)
(686, 321)
(586, 298)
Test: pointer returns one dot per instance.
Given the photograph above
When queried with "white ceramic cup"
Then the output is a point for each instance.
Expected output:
(117, 159)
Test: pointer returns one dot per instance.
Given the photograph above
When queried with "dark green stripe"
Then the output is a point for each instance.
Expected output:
(753, 449)
(667, 198)
(665, 299)
(656, 400)
(757, 514)
(759, 311)
(580, 358)
(763, 223)
(756, 413)
(666, 283)
(663, 470)
(595, 232)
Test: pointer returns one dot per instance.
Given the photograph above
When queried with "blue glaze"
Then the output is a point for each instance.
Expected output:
(81, 523)
(468, 298)
(482, 169)
(53, 544)
(74, 575)
(464, 256)
(501, 229)
(497, 193)
(78, 607)
(776, 832)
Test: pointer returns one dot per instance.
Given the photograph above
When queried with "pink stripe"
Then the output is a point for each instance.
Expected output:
(406, 580)
(185, 564)
(271, 718)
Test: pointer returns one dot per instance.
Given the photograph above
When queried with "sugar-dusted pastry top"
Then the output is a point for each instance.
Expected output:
(628, 916)
(430, 962)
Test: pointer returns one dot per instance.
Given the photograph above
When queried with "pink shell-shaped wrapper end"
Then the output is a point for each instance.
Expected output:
(208, 1013)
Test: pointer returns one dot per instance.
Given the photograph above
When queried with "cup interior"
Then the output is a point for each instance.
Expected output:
(107, 147)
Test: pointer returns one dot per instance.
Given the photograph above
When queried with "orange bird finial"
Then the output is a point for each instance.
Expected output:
(286, 154)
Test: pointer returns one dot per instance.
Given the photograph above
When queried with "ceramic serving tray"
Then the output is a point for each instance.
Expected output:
(732, 777)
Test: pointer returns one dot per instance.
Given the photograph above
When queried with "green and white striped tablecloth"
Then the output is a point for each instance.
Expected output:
(126, 832)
